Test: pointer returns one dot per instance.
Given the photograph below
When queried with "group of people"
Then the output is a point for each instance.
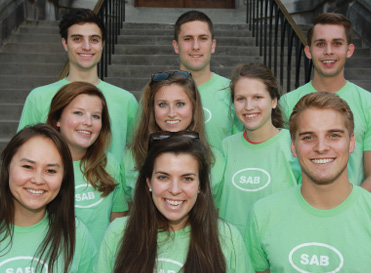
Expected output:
(206, 174)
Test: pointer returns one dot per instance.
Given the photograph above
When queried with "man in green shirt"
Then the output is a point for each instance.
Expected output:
(324, 224)
(329, 45)
(83, 36)
(194, 43)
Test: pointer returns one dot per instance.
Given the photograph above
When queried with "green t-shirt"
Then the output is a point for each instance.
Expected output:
(122, 108)
(286, 234)
(131, 174)
(172, 252)
(253, 171)
(359, 101)
(94, 210)
(216, 102)
(19, 256)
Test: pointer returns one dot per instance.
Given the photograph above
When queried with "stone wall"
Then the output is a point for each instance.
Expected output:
(11, 16)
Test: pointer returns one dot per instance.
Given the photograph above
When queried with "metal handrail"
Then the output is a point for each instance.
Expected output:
(112, 13)
(259, 12)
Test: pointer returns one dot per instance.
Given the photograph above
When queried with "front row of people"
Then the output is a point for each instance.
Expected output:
(320, 226)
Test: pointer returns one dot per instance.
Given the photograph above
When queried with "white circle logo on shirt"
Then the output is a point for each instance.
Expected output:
(207, 115)
(168, 266)
(86, 196)
(316, 257)
(251, 179)
(22, 264)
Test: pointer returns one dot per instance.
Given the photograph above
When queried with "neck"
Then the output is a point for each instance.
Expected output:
(330, 84)
(262, 134)
(327, 196)
(90, 76)
(24, 217)
(200, 77)
(77, 154)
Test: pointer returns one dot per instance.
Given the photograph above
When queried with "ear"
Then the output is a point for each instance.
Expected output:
(293, 150)
(307, 52)
(64, 43)
(148, 183)
(352, 143)
(274, 103)
(58, 123)
(176, 48)
(350, 50)
(213, 47)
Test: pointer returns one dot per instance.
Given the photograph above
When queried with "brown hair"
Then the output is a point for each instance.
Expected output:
(60, 237)
(148, 125)
(190, 16)
(138, 247)
(321, 100)
(331, 19)
(94, 161)
(263, 73)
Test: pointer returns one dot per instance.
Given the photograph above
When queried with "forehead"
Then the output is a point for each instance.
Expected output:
(328, 32)
(250, 85)
(176, 163)
(85, 100)
(86, 29)
(171, 91)
(194, 28)
(316, 120)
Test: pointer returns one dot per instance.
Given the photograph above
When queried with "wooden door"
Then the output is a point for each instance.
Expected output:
(226, 4)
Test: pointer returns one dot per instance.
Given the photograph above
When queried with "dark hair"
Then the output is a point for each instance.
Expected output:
(147, 124)
(138, 247)
(332, 19)
(94, 161)
(190, 16)
(80, 16)
(60, 238)
(263, 73)
(321, 100)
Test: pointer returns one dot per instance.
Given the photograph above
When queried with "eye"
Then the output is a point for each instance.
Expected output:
(188, 178)
(96, 116)
(335, 135)
(338, 43)
(95, 40)
(204, 38)
(162, 104)
(187, 39)
(307, 138)
(27, 167)
(180, 104)
(320, 44)
(258, 97)
(76, 39)
(239, 99)
(51, 171)
(79, 113)
(161, 177)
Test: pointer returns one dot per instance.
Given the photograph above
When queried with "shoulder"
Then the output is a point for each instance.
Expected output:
(227, 230)
(234, 139)
(49, 89)
(295, 95)
(115, 229)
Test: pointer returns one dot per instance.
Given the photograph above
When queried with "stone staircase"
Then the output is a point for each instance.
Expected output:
(33, 56)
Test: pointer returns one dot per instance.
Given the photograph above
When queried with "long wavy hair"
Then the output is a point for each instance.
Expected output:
(93, 164)
(60, 238)
(147, 123)
(263, 73)
(138, 249)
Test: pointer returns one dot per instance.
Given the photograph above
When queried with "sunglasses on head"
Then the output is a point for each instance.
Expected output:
(161, 135)
(162, 76)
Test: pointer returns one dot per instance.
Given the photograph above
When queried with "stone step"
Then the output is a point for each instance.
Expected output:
(10, 111)
(30, 69)
(34, 47)
(24, 82)
(9, 95)
(7, 57)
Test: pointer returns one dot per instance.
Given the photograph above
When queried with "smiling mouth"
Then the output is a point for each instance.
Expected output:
(329, 62)
(35, 191)
(250, 116)
(323, 160)
(172, 121)
(84, 132)
(173, 202)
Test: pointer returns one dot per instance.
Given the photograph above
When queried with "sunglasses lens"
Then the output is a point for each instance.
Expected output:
(162, 76)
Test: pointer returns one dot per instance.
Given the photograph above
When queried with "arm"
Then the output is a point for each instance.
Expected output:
(266, 271)
(366, 184)
(115, 215)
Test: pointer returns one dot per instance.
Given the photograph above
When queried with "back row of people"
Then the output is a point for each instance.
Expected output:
(256, 110)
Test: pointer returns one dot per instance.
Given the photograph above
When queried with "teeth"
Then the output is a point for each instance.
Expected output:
(322, 161)
(86, 55)
(84, 132)
(251, 115)
(172, 121)
(328, 62)
(173, 202)
(35, 191)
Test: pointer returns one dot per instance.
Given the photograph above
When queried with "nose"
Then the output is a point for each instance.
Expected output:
(321, 146)
(328, 49)
(174, 187)
(86, 44)
(88, 120)
(196, 44)
(249, 105)
(172, 111)
(38, 178)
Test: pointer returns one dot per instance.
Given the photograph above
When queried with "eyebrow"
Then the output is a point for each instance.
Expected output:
(91, 36)
(330, 131)
(324, 40)
(34, 162)
(165, 173)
